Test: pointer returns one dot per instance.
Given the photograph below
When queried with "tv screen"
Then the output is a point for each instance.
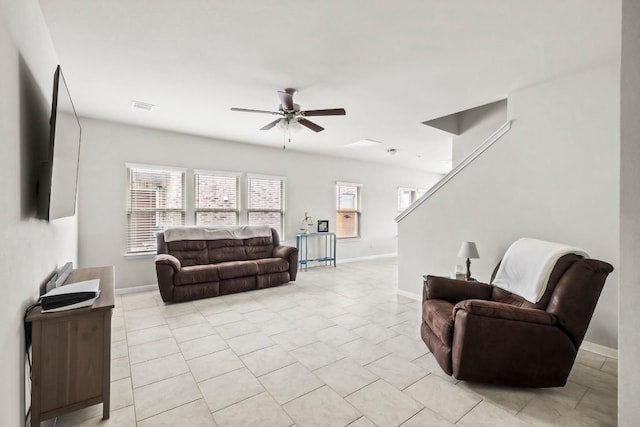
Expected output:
(61, 170)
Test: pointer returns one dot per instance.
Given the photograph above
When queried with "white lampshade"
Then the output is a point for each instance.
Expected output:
(468, 250)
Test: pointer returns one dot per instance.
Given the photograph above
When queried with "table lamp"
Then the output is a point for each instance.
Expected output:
(468, 250)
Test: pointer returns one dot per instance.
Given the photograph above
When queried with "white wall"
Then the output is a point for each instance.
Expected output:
(31, 249)
(310, 187)
(629, 352)
(553, 176)
(475, 126)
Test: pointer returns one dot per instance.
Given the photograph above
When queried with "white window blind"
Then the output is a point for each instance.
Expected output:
(216, 198)
(347, 209)
(155, 201)
(265, 196)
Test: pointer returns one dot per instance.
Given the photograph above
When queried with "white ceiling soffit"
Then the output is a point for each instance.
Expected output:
(451, 123)
(391, 65)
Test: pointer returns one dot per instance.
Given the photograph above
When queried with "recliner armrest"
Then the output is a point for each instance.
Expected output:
(289, 254)
(504, 311)
(453, 290)
(168, 260)
(283, 251)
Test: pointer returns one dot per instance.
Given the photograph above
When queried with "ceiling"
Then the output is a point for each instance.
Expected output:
(391, 65)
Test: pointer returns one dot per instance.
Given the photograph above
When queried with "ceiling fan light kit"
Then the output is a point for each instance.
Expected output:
(291, 116)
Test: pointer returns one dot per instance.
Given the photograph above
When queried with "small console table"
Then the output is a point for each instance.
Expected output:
(329, 243)
(72, 353)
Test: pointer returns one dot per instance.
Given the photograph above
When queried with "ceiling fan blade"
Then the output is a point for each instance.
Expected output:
(248, 110)
(270, 125)
(307, 123)
(326, 112)
(286, 99)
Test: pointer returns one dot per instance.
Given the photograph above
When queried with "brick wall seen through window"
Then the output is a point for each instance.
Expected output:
(216, 201)
(155, 202)
(265, 198)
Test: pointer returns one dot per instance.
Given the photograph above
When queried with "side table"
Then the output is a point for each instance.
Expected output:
(329, 243)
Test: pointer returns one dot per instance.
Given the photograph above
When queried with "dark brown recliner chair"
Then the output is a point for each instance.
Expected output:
(478, 332)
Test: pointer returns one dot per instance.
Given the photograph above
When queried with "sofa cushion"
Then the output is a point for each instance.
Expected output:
(196, 274)
(272, 265)
(259, 247)
(438, 315)
(239, 284)
(273, 279)
(224, 250)
(189, 252)
(233, 269)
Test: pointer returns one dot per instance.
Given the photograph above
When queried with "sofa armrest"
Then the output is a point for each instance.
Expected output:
(504, 311)
(170, 260)
(283, 251)
(453, 290)
(290, 254)
(166, 268)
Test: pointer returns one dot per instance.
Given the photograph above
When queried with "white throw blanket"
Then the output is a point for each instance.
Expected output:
(216, 233)
(527, 265)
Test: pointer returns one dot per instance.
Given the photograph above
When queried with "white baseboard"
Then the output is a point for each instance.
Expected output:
(367, 258)
(409, 295)
(136, 289)
(586, 345)
(600, 349)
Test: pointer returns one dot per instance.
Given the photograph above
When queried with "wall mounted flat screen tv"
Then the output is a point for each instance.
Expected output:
(59, 180)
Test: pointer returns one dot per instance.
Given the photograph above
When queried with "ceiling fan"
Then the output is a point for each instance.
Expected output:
(290, 113)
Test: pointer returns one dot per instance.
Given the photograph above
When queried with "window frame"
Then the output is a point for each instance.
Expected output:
(282, 210)
(226, 174)
(357, 211)
(130, 210)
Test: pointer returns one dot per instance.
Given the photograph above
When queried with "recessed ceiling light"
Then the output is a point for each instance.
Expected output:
(363, 143)
(142, 105)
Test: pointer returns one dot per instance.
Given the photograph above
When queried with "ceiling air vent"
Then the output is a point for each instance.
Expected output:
(142, 105)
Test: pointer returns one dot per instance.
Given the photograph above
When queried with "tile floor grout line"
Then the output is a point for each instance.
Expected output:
(582, 397)
(168, 410)
(235, 403)
(420, 379)
(216, 376)
(157, 381)
(153, 358)
(466, 413)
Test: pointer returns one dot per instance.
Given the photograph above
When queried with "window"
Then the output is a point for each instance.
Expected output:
(216, 198)
(406, 196)
(265, 206)
(155, 201)
(347, 210)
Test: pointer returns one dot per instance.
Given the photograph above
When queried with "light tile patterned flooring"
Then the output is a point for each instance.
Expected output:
(338, 347)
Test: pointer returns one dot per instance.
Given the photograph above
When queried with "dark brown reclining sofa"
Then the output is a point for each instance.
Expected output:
(478, 332)
(194, 269)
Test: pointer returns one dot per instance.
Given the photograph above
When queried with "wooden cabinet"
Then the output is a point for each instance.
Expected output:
(72, 353)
